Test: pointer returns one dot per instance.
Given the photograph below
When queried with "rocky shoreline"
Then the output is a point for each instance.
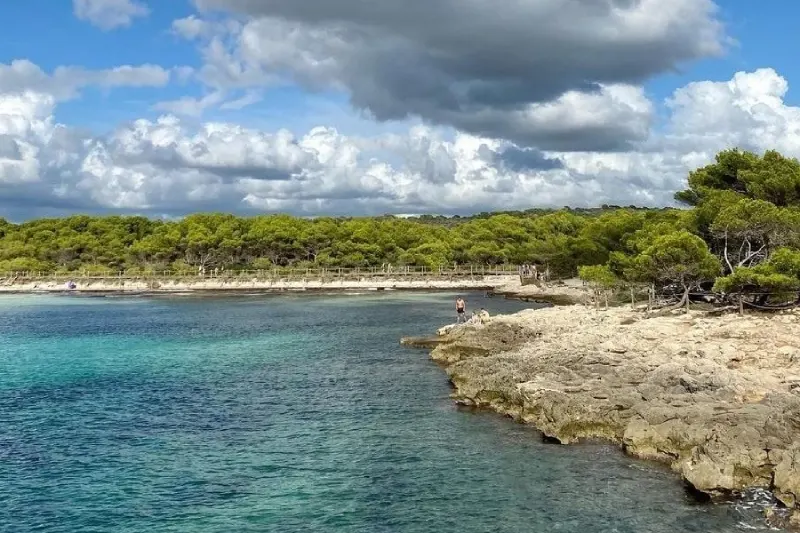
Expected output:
(565, 292)
(715, 397)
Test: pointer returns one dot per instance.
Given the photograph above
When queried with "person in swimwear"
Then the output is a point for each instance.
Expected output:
(461, 310)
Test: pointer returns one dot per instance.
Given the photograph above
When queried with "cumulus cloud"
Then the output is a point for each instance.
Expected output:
(554, 74)
(109, 14)
(172, 166)
(747, 111)
(25, 126)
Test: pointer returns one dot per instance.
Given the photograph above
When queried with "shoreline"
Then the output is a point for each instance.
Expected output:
(567, 292)
(715, 398)
(228, 286)
(563, 292)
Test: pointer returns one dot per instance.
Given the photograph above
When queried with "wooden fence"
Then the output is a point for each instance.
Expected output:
(457, 272)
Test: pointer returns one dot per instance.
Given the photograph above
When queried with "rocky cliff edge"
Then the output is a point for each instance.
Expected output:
(717, 398)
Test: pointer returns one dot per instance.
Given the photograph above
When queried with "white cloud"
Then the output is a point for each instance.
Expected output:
(545, 109)
(170, 166)
(194, 107)
(747, 111)
(190, 27)
(189, 106)
(109, 14)
(247, 99)
(64, 82)
(25, 126)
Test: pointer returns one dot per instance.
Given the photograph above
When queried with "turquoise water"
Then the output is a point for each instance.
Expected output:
(283, 414)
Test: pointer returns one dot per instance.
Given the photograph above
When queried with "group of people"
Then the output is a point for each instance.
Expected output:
(478, 318)
(531, 271)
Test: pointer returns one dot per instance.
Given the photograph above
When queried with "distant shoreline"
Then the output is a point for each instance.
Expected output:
(221, 286)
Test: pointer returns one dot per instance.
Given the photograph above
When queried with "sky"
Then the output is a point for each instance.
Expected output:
(346, 107)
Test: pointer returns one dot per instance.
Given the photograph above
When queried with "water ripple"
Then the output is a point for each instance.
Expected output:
(287, 413)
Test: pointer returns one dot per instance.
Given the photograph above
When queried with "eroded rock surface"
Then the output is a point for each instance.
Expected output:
(718, 398)
(565, 292)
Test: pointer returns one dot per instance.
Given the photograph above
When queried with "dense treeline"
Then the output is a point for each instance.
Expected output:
(561, 239)
(740, 232)
(740, 238)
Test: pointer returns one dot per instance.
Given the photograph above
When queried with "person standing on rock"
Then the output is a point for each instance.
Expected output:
(461, 310)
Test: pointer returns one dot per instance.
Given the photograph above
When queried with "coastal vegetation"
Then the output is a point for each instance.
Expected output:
(562, 239)
(737, 233)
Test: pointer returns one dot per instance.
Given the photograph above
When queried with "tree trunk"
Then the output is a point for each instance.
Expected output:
(633, 299)
(605, 293)
(686, 299)
(725, 254)
(741, 304)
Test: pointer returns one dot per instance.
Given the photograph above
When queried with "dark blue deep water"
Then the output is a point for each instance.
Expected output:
(284, 414)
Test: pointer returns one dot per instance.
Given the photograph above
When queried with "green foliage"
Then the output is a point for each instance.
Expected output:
(562, 240)
(786, 261)
(756, 280)
(24, 264)
(749, 230)
(771, 177)
(722, 175)
(679, 257)
(747, 218)
(599, 277)
(780, 274)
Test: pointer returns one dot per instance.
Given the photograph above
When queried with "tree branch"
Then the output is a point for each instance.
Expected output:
(725, 253)
(752, 255)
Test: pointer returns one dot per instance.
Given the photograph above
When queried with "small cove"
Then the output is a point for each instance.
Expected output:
(287, 413)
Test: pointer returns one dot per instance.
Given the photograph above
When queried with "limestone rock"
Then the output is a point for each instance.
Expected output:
(422, 342)
(716, 397)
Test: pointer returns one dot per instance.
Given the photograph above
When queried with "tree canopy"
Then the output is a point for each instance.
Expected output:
(561, 239)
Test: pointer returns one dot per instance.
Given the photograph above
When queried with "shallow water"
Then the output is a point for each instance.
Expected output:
(283, 414)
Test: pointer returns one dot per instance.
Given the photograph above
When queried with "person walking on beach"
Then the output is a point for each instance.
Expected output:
(461, 309)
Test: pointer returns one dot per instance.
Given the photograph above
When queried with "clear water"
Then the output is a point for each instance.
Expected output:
(283, 414)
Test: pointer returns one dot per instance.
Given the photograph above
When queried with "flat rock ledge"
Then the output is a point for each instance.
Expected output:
(423, 342)
(716, 398)
(567, 292)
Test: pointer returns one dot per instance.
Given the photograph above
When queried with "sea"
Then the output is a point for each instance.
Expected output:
(288, 413)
